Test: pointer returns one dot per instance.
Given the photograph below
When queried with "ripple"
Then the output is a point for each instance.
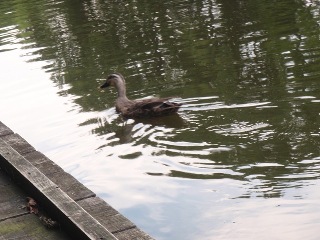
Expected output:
(305, 97)
(108, 115)
(195, 168)
(176, 143)
(259, 130)
(310, 161)
(197, 104)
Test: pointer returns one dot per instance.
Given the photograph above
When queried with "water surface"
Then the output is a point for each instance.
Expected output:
(241, 159)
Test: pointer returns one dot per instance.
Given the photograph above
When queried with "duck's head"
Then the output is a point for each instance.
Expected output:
(112, 80)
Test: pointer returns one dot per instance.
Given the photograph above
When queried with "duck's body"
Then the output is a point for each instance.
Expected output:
(150, 107)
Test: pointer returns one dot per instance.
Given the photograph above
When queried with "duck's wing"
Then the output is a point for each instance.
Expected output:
(153, 103)
(153, 107)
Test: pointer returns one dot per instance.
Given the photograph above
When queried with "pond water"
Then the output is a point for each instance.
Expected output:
(241, 160)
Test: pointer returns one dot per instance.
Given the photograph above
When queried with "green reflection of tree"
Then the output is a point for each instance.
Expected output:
(248, 51)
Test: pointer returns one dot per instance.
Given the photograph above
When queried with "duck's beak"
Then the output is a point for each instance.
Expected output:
(106, 84)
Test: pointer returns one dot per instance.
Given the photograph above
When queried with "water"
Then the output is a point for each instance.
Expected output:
(240, 161)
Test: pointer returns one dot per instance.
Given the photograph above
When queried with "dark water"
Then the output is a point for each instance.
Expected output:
(240, 161)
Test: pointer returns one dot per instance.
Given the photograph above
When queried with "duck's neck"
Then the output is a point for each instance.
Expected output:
(121, 88)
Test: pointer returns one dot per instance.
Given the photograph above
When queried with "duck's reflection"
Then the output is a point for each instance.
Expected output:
(126, 129)
(170, 121)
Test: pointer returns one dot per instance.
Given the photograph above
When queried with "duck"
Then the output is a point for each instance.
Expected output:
(140, 108)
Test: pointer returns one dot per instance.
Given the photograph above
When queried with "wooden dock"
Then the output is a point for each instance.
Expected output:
(78, 211)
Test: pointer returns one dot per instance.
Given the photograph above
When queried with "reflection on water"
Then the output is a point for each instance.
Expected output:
(239, 159)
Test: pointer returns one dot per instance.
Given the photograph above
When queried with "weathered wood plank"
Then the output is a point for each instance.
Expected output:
(95, 204)
(12, 208)
(116, 223)
(38, 158)
(4, 130)
(69, 185)
(28, 227)
(67, 212)
(57, 203)
(106, 215)
(132, 234)
(18, 143)
(15, 221)
(4, 180)
(11, 199)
